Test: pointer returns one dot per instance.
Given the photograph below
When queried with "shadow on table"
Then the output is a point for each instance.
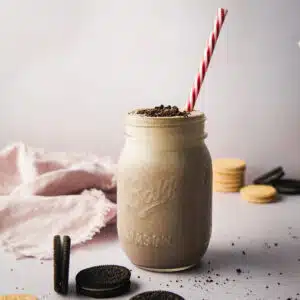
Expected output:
(258, 256)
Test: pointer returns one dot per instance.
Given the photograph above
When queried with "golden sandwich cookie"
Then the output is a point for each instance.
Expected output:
(258, 193)
(229, 165)
(228, 179)
(259, 201)
(18, 297)
(226, 188)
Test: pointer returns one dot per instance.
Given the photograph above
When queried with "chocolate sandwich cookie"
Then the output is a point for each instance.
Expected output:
(287, 186)
(103, 281)
(157, 295)
(61, 260)
(270, 176)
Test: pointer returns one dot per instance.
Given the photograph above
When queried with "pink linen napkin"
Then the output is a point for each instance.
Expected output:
(45, 193)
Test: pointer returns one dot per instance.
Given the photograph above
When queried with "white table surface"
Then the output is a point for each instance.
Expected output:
(252, 228)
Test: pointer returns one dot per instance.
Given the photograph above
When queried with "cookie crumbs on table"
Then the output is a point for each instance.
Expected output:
(239, 271)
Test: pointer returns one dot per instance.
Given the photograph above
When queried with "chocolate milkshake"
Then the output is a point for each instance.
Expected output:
(164, 189)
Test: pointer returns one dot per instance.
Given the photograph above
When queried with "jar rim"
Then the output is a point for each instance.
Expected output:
(137, 120)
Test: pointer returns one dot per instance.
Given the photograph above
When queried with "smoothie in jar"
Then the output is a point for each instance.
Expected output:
(164, 189)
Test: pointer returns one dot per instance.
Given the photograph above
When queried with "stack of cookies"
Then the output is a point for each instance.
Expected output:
(228, 175)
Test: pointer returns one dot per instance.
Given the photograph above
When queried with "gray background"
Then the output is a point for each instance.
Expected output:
(71, 69)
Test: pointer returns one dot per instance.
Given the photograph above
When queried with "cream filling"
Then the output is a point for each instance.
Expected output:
(103, 289)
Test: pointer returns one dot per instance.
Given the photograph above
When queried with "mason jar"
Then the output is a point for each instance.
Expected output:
(164, 192)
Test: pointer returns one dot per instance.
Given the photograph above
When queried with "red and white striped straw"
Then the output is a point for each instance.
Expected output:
(206, 59)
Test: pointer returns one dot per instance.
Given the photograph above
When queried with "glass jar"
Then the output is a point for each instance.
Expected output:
(164, 192)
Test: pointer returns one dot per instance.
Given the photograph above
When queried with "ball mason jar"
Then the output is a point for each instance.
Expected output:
(164, 192)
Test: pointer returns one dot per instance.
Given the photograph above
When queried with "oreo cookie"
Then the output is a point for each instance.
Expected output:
(157, 295)
(287, 186)
(283, 186)
(103, 281)
(270, 176)
(61, 261)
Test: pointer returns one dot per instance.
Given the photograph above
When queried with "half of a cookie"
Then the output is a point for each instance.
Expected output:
(57, 263)
(65, 259)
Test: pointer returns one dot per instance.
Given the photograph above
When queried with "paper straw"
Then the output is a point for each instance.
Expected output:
(206, 59)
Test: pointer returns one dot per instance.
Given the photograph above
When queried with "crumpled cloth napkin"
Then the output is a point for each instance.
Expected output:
(44, 193)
